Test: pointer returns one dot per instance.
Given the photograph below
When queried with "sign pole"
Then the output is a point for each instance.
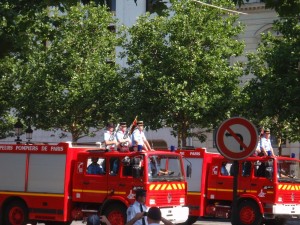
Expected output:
(234, 214)
(236, 139)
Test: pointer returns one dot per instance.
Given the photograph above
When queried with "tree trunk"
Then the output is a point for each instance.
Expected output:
(179, 138)
(279, 141)
(184, 129)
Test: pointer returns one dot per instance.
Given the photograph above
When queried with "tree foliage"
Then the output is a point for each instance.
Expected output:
(6, 96)
(179, 67)
(64, 80)
(285, 8)
(273, 96)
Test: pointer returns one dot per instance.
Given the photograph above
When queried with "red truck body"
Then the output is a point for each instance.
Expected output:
(268, 187)
(41, 182)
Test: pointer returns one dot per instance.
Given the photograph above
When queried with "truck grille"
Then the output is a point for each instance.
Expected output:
(166, 198)
(290, 196)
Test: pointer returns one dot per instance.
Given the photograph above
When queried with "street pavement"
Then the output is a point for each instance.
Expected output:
(202, 222)
(227, 222)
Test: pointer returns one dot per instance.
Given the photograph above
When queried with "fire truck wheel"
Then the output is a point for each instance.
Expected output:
(248, 213)
(16, 213)
(116, 214)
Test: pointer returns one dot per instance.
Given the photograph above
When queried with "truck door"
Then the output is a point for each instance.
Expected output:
(115, 185)
(262, 183)
(245, 181)
(94, 179)
(121, 179)
(220, 181)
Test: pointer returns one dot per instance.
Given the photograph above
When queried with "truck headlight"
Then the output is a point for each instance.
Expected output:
(152, 201)
(182, 201)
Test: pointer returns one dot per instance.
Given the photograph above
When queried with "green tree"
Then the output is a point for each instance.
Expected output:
(273, 96)
(67, 80)
(16, 18)
(285, 8)
(179, 67)
(6, 97)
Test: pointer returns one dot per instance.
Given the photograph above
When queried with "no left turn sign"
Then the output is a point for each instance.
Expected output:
(236, 138)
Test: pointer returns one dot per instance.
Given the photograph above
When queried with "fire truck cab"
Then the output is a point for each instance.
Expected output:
(54, 183)
(268, 187)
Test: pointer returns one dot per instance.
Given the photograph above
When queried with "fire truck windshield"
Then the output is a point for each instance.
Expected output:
(288, 171)
(164, 168)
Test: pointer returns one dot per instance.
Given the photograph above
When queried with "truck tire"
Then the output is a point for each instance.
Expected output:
(16, 213)
(116, 214)
(248, 213)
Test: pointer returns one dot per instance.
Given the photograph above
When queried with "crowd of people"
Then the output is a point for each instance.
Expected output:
(120, 138)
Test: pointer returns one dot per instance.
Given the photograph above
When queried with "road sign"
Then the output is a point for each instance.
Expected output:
(236, 138)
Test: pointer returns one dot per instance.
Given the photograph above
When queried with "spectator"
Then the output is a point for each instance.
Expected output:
(154, 217)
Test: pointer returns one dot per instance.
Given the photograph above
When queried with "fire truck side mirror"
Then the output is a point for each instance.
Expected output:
(189, 171)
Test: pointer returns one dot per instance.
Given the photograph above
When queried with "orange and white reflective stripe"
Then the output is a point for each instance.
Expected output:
(230, 190)
(98, 191)
(166, 186)
(194, 193)
(289, 187)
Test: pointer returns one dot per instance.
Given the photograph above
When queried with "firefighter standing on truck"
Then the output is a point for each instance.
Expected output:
(139, 138)
(123, 138)
(110, 138)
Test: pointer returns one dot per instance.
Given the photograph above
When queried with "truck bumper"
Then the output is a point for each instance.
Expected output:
(175, 214)
(284, 211)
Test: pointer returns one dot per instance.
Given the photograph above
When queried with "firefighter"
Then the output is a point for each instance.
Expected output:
(94, 167)
(123, 139)
(266, 145)
(136, 211)
(110, 138)
(139, 138)
(258, 150)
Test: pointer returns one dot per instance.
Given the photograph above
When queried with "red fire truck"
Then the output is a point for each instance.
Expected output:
(268, 187)
(51, 183)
